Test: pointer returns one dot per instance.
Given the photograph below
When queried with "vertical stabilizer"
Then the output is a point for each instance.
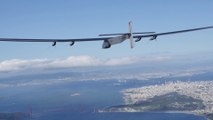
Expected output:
(131, 35)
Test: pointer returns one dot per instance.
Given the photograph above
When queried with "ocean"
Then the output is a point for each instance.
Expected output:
(78, 101)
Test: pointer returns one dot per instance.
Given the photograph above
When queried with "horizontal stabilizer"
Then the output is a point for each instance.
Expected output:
(135, 33)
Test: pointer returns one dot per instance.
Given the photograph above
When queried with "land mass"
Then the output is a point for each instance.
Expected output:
(187, 97)
(168, 102)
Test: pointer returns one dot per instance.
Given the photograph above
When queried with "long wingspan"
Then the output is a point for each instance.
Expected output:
(113, 39)
(154, 36)
(52, 40)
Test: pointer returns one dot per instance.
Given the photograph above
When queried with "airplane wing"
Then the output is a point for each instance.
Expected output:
(155, 35)
(112, 39)
(54, 41)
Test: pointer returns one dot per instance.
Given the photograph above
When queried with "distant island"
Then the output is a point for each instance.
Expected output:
(187, 97)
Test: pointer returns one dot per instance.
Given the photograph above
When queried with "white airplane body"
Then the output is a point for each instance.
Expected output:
(112, 39)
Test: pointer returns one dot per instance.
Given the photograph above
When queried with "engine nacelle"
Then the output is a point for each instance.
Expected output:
(154, 37)
(72, 43)
(106, 44)
(54, 43)
(139, 39)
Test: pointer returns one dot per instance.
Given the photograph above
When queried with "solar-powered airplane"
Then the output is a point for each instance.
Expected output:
(108, 39)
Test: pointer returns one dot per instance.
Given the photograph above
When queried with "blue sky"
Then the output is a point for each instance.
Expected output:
(80, 19)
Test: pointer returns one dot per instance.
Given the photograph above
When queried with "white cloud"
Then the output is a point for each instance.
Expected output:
(122, 61)
(73, 61)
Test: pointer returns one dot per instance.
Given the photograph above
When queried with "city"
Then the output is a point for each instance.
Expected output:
(202, 90)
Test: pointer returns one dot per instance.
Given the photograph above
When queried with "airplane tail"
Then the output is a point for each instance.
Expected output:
(131, 35)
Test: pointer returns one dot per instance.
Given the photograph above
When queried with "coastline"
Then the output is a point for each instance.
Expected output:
(183, 112)
(165, 112)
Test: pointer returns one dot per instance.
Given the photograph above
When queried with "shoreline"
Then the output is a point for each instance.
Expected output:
(167, 112)
(184, 112)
